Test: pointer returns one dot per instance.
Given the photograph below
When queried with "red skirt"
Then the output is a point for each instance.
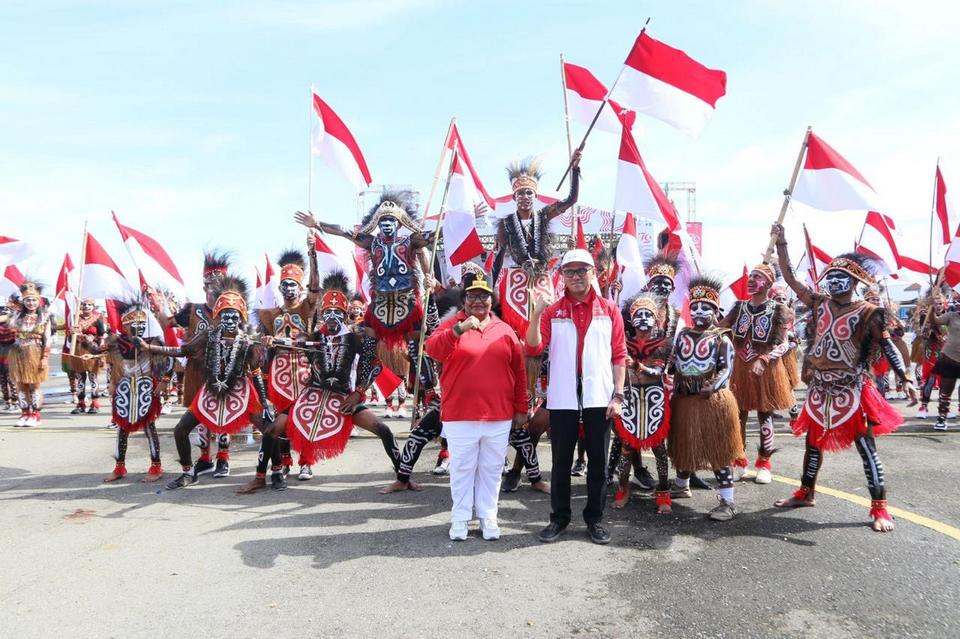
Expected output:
(229, 412)
(316, 428)
(288, 376)
(645, 421)
(835, 416)
(393, 316)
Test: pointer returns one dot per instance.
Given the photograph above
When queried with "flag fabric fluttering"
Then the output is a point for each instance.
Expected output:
(637, 191)
(12, 250)
(669, 85)
(916, 266)
(878, 241)
(336, 253)
(630, 260)
(943, 206)
(829, 182)
(585, 94)
(64, 298)
(461, 242)
(332, 141)
(157, 268)
(101, 277)
(814, 260)
(10, 282)
(455, 143)
(580, 240)
(267, 294)
(387, 382)
(951, 261)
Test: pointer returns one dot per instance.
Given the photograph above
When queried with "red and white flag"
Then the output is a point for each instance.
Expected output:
(669, 85)
(267, 294)
(580, 240)
(943, 206)
(387, 382)
(630, 260)
(10, 282)
(585, 94)
(828, 182)
(878, 241)
(951, 261)
(916, 266)
(461, 242)
(814, 260)
(101, 277)
(156, 267)
(637, 191)
(333, 142)
(735, 290)
(455, 144)
(336, 253)
(64, 299)
(12, 250)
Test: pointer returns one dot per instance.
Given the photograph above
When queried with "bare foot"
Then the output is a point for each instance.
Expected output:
(621, 498)
(541, 486)
(114, 476)
(151, 477)
(400, 486)
(882, 524)
(252, 486)
(664, 509)
(795, 502)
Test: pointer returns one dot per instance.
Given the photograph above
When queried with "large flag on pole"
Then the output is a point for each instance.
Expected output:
(814, 261)
(12, 250)
(10, 282)
(878, 241)
(455, 144)
(669, 85)
(333, 142)
(585, 94)
(336, 253)
(630, 260)
(64, 296)
(830, 183)
(916, 266)
(637, 191)
(461, 243)
(102, 278)
(151, 259)
(951, 261)
(943, 206)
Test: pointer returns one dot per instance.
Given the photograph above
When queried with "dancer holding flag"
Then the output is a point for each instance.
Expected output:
(28, 359)
(86, 367)
(843, 406)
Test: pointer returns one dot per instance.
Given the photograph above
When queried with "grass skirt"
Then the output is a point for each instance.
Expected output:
(792, 366)
(27, 364)
(704, 433)
(768, 393)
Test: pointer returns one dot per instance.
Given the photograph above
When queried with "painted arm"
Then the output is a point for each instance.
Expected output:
(724, 363)
(313, 280)
(804, 294)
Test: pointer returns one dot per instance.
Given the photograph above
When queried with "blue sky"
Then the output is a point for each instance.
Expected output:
(191, 119)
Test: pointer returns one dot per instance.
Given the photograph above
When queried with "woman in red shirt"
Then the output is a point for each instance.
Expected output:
(484, 388)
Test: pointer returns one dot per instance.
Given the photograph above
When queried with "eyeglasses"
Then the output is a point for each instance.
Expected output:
(576, 272)
(477, 297)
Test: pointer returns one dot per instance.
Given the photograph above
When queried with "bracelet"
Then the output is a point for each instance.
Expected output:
(456, 330)
(618, 396)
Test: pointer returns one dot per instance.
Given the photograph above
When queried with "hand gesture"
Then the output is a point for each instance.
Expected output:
(349, 403)
(911, 390)
(575, 158)
(758, 367)
(468, 324)
(541, 300)
(306, 219)
(776, 231)
(480, 209)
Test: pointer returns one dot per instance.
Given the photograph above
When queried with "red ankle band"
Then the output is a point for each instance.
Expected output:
(763, 462)
(662, 497)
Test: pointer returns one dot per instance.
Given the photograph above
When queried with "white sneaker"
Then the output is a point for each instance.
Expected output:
(490, 529)
(940, 425)
(443, 468)
(458, 531)
(763, 476)
(922, 412)
(32, 420)
(739, 472)
(166, 409)
(306, 473)
(22, 421)
(952, 415)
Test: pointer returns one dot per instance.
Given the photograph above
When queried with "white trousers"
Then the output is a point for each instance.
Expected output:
(476, 450)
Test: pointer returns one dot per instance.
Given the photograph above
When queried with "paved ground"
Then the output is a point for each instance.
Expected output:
(332, 558)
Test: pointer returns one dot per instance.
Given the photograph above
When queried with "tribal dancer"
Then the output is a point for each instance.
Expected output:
(322, 417)
(135, 379)
(520, 266)
(195, 319)
(289, 369)
(233, 394)
(8, 336)
(759, 380)
(843, 406)
(90, 331)
(926, 346)
(881, 367)
(948, 361)
(791, 359)
(29, 357)
(704, 419)
(645, 421)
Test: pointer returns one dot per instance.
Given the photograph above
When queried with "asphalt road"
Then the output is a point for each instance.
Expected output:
(332, 558)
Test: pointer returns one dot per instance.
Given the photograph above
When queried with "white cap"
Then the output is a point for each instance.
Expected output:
(577, 255)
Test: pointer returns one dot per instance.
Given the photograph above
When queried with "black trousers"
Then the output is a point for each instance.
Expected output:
(564, 431)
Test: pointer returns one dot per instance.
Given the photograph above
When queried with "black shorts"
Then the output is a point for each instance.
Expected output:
(946, 367)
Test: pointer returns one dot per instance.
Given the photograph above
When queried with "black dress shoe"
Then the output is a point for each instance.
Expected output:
(598, 534)
(511, 481)
(551, 532)
(699, 484)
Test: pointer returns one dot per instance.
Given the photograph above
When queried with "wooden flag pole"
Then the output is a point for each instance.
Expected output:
(436, 174)
(575, 214)
(76, 311)
(596, 117)
(788, 193)
(933, 211)
(310, 152)
(426, 295)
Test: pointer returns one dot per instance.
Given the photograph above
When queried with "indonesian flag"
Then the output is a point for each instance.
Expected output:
(461, 243)
(267, 294)
(878, 242)
(101, 278)
(735, 290)
(829, 183)
(152, 260)
(636, 191)
(10, 282)
(630, 260)
(951, 262)
(669, 85)
(580, 239)
(387, 382)
(814, 260)
(943, 206)
(916, 266)
(64, 299)
(585, 94)
(455, 144)
(12, 250)
(336, 253)
(333, 142)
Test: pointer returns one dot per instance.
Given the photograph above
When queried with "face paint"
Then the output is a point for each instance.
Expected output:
(780, 299)
(333, 319)
(702, 314)
(31, 303)
(388, 226)
(230, 320)
(136, 329)
(86, 308)
(661, 286)
(290, 289)
(525, 198)
(838, 283)
(756, 283)
(643, 320)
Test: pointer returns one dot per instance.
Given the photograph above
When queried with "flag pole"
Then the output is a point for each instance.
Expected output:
(426, 294)
(810, 256)
(596, 116)
(933, 210)
(789, 192)
(436, 174)
(310, 151)
(76, 311)
(575, 214)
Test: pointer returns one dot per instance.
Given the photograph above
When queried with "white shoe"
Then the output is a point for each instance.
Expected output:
(940, 425)
(443, 468)
(166, 409)
(458, 531)
(739, 472)
(22, 421)
(922, 412)
(763, 476)
(306, 473)
(490, 529)
(951, 415)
